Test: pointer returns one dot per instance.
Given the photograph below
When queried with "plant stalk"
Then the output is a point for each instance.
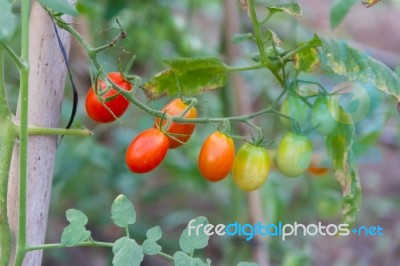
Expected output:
(7, 138)
(23, 133)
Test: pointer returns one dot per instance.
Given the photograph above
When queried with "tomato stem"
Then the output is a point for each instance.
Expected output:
(20, 64)
(7, 139)
(23, 133)
(260, 43)
(322, 89)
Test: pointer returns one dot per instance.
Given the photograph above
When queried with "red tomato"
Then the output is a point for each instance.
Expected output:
(180, 133)
(102, 111)
(146, 151)
(216, 156)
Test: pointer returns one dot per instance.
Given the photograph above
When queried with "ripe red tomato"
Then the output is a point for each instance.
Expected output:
(251, 167)
(146, 151)
(102, 111)
(216, 156)
(179, 132)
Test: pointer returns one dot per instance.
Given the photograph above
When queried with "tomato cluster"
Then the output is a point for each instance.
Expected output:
(250, 166)
(294, 155)
(149, 148)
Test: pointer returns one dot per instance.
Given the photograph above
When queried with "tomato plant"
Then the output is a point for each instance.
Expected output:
(104, 110)
(216, 156)
(251, 167)
(324, 114)
(146, 151)
(178, 133)
(283, 64)
(294, 154)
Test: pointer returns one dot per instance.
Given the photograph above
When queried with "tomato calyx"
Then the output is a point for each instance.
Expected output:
(164, 128)
(174, 121)
(190, 102)
(260, 142)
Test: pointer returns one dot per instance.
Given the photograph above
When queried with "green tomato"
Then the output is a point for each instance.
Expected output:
(294, 154)
(251, 167)
(295, 108)
(324, 115)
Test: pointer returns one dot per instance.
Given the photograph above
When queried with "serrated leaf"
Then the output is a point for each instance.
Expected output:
(340, 149)
(293, 9)
(238, 38)
(150, 247)
(76, 217)
(247, 264)
(154, 233)
(188, 76)
(183, 259)
(74, 234)
(307, 60)
(61, 6)
(358, 66)
(127, 252)
(123, 212)
(339, 10)
(7, 21)
(189, 243)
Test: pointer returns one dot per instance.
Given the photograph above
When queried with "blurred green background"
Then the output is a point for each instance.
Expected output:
(90, 172)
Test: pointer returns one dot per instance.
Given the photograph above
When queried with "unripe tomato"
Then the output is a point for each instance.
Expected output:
(146, 151)
(179, 132)
(216, 156)
(324, 115)
(294, 154)
(251, 167)
(102, 112)
(296, 109)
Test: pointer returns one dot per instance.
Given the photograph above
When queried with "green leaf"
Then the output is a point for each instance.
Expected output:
(307, 60)
(340, 149)
(188, 76)
(7, 21)
(339, 10)
(183, 259)
(127, 252)
(189, 243)
(150, 247)
(289, 8)
(358, 66)
(123, 213)
(60, 6)
(154, 233)
(238, 38)
(247, 264)
(114, 7)
(74, 234)
(76, 217)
